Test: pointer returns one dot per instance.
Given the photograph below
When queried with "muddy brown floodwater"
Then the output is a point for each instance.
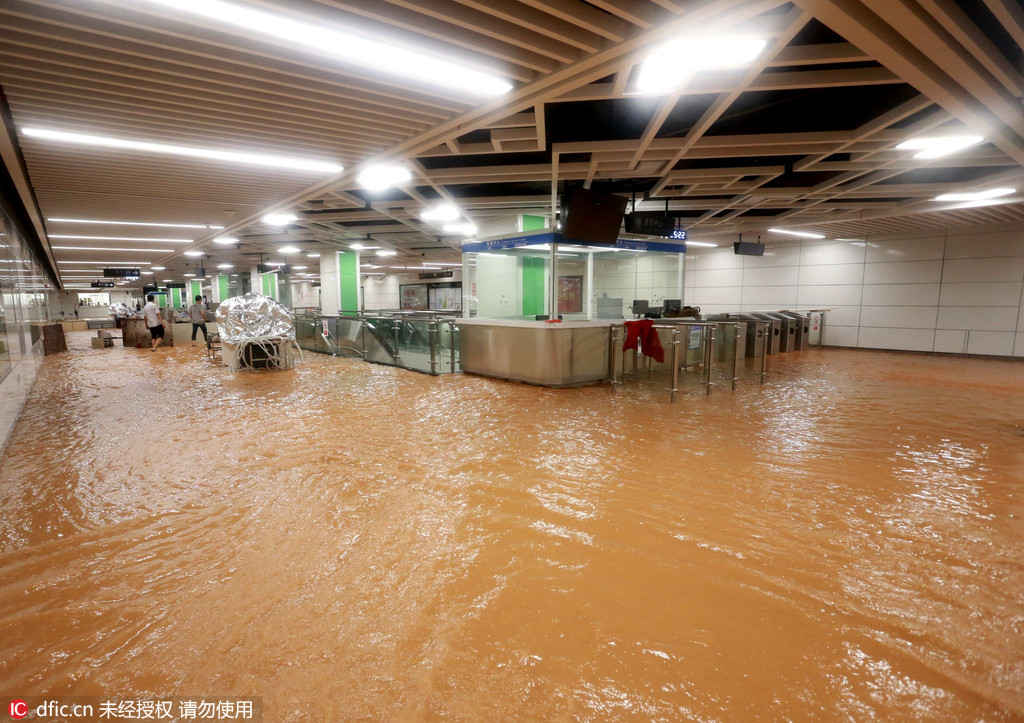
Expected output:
(349, 541)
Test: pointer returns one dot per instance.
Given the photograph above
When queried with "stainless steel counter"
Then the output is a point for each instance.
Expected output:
(551, 355)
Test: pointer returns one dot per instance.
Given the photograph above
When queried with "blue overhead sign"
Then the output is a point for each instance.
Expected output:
(512, 242)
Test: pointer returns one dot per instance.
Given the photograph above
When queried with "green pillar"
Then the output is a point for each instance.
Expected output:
(348, 281)
(533, 286)
(195, 289)
(533, 223)
(222, 287)
(270, 285)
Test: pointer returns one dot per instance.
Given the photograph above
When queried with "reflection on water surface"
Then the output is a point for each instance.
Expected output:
(351, 541)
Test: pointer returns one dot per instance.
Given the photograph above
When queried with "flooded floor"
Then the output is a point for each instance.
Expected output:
(349, 541)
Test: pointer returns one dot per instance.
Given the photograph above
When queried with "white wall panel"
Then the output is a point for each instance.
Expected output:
(774, 256)
(772, 276)
(899, 317)
(989, 319)
(918, 249)
(990, 269)
(978, 245)
(980, 294)
(996, 343)
(822, 297)
(840, 335)
(902, 295)
(842, 252)
(832, 274)
(770, 297)
(719, 278)
(904, 272)
(903, 339)
(951, 341)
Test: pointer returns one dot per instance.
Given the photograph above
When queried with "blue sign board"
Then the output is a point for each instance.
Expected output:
(547, 238)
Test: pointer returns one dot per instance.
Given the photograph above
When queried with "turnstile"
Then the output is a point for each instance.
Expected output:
(758, 334)
(773, 341)
(803, 329)
(787, 334)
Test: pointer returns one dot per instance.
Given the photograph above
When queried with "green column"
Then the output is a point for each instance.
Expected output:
(270, 285)
(222, 287)
(348, 280)
(533, 223)
(533, 286)
(195, 289)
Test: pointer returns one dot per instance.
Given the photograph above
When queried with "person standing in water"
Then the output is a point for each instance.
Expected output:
(195, 313)
(153, 321)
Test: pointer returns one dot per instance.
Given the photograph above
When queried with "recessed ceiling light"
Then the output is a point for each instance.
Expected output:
(252, 159)
(133, 223)
(467, 229)
(195, 253)
(348, 46)
(385, 252)
(159, 268)
(380, 177)
(702, 243)
(313, 256)
(977, 196)
(225, 266)
(938, 146)
(164, 281)
(298, 267)
(669, 65)
(802, 234)
(151, 273)
(441, 212)
(280, 219)
(188, 274)
(225, 240)
(288, 250)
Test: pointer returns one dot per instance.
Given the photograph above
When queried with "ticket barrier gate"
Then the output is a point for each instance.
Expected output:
(773, 339)
(803, 329)
(787, 333)
(758, 334)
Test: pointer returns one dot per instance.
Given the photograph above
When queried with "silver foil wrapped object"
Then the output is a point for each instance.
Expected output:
(120, 309)
(253, 317)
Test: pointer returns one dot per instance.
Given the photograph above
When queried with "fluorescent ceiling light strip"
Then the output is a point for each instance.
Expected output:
(99, 248)
(252, 159)
(802, 234)
(977, 196)
(132, 223)
(111, 264)
(672, 64)
(700, 243)
(938, 146)
(126, 238)
(348, 46)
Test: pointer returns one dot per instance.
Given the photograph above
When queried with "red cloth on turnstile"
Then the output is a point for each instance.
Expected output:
(643, 331)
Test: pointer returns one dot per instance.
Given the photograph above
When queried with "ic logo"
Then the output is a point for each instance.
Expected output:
(19, 709)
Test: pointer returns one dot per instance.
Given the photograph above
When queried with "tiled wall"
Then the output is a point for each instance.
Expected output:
(957, 290)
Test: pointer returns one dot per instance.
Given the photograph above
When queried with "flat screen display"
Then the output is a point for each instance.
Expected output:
(594, 217)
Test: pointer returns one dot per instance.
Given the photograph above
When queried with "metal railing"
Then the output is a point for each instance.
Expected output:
(420, 343)
(716, 341)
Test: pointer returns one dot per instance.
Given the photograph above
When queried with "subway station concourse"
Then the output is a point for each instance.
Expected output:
(523, 360)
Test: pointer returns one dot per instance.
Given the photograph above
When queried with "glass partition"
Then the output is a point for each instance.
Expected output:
(593, 282)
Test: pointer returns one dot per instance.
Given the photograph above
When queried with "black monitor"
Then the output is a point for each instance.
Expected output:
(673, 305)
(593, 217)
(640, 307)
(745, 248)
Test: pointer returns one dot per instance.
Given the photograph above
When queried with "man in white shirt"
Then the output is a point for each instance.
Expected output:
(153, 321)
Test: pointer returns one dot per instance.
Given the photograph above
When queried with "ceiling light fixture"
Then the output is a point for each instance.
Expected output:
(441, 212)
(288, 250)
(977, 196)
(939, 146)
(132, 223)
(195, 253)
(225, 240)
(348, 46)
(225, 266)
(100, 248)
(251, 159)
(126, 238)
(385, 252)
(466, 229)
(381, 177)
(312, 256)
(671, 64)
(111, 264)
(801, 234)
(702, 244)
(280, 219)
(159, 268)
